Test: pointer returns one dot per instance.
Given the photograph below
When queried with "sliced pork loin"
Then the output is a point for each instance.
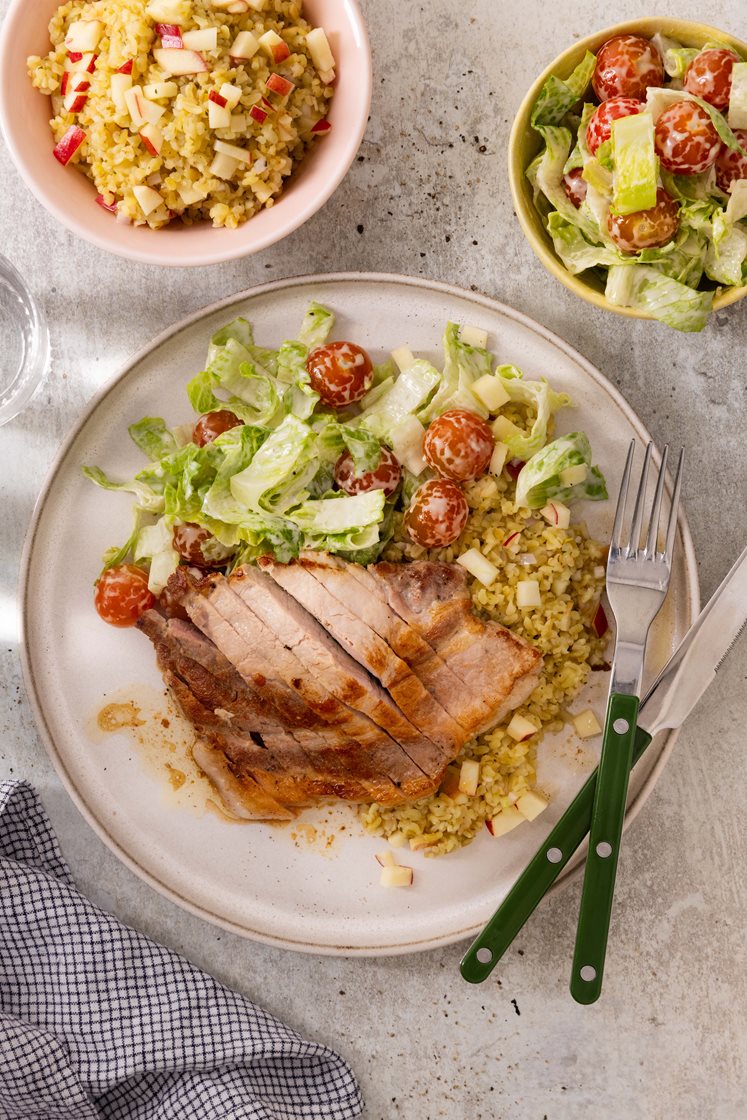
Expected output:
(357, 589)
(268, 662)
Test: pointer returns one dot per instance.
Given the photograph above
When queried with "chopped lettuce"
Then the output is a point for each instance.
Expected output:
(408, 393)
(463, 365)
(316, 327)
(673, 303)
(540, 480)
(537, 395)
(557, 97)
(636, 164)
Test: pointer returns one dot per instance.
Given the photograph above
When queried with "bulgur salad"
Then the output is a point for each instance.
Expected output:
(197, 109)
(313, 446)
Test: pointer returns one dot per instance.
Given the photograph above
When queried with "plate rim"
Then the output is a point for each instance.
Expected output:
(88, 814)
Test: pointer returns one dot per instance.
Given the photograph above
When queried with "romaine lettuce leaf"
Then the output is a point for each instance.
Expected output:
(673, 303)
(539, 480)
(538, 396)
(410, 392)
(147, 499)
(557, 97)
(152, 437)
(316, 326)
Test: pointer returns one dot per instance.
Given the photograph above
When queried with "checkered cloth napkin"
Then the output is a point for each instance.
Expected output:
(98, 1021)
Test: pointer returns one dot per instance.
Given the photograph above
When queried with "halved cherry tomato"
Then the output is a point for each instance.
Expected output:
(575, 186)
(122, 595)
(599, 127)
(437, 514)
(626, 66)
(384, 477)
(709, 76)
(188, 540)
(212, 425)
(340, 372)
(458, 445)
(645, 229)
(732, 165)
(686, 141)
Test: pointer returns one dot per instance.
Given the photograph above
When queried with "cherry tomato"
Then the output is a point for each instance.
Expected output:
(437, 514)
(188, 540)
(340, 372)
(575, 186)
(458, 445)
(599, 127)
(709, 76)
(626, 66)
(686, 141)
(212, 425)
(122, 595)
(732, 165)
(645, 229)
(385, 477)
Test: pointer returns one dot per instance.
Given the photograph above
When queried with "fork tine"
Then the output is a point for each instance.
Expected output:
(653, 525)
(672, 526)
(635, 529)
(622, 499)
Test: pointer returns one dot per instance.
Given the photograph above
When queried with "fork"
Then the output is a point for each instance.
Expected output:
(637, 582)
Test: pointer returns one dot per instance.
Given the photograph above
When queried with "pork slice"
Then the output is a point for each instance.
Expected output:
(410, 753)
(353, 586)
(305, 582)
(434, 599)
(274, 670)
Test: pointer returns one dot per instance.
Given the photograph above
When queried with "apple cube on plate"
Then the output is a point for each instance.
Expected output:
(403, 358)
(531, 804)
(204, 39)
(478, 566)
(587, 725)
(396, 877)
(147, 199)
(506, 821)
(503, 428)
(386, 859)
(489, 389)
(244, 46)
(169, 11)
(239, 123)
(498, 458)
(119, 86)
(231, 94)
(68, 145)
(223, 167)
(275, 47)
(557, 514)
(528, 594)
(159, 91)
(189, 195)
(84, 35)
(233, 151)
(320, 50)
(219, 116)
(469, 777)
(520, 728)
(152, 137)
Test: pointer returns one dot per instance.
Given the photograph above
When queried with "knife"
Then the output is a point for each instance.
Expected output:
(668, 703)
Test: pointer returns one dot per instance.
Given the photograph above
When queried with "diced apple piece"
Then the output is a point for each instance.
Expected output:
(152, 137)
(245, 45)
(135, 101)
(126, 67)
(81, 63)
(84, 35)
(190, 194)
(571, 476)
(218, 98)
(489, 389)
(396, 877)
(560, 586)
(478, 566)
(147, 199)
(587, 725)
(385, 859)
(528, 593)
(120, 85)
(403, 358)
(169, 11)
(503, 428)
(231, 93)
(159, 91)
(469, 776)
(321, 128)
(171, 35)
(407, 444)
(520, 728)
(506, 821)
(241, 155)
(276, 83)
(77, 93)
(223, 167)
(398, 840)
(498, 458)
(258, 114)
(219, 116)
(205, 39)
(512, 542)
(274, 47)
(557, 514)
(256, 5)
(179, 61)
(320, 50)
(474, 336)
(68, 144)
(110, 207)
(239, 123)
(531, 804)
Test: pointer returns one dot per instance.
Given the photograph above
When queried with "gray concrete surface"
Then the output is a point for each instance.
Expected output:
(428, 196)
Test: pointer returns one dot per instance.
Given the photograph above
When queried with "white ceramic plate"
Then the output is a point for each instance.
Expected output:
(308, 887)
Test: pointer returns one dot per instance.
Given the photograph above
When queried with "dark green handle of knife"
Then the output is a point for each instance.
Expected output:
(600, 872)
(534, 883)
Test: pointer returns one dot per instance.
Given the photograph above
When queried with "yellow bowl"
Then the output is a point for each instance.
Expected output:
(524, 144)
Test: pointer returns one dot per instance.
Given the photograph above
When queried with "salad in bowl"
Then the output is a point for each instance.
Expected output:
(642, 173)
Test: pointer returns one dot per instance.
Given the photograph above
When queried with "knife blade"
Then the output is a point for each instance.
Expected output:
(669, 701)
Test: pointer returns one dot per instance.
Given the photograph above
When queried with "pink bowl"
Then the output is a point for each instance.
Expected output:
(69, 195)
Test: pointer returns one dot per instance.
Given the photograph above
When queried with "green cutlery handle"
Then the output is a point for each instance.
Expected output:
(534, 883)
(604, 846)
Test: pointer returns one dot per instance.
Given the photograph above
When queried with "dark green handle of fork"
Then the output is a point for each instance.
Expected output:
(534, 883)
(604, 847)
